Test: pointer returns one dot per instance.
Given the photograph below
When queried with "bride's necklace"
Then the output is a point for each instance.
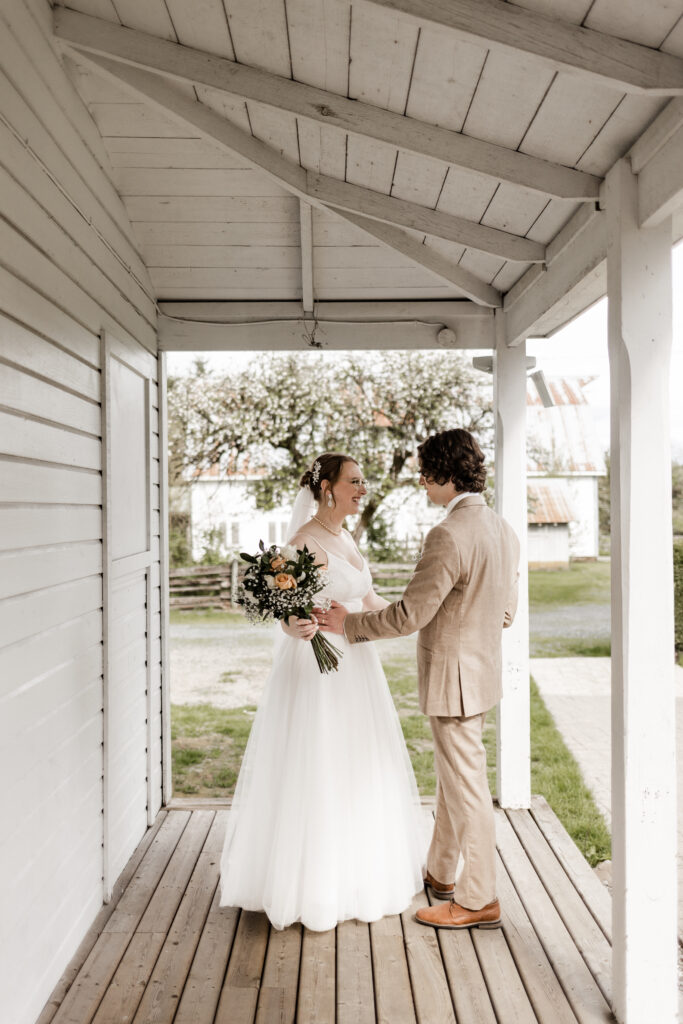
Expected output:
(329, 529)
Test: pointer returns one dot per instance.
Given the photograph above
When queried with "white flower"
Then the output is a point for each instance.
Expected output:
(270, 581)
(289, 552)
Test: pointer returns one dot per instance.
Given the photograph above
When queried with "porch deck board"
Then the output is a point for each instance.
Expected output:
(164, 951)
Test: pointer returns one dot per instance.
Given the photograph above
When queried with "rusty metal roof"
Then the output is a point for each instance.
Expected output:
(563, 439)
(549, 502)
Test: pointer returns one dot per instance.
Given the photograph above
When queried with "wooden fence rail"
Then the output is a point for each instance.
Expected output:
(215, 586)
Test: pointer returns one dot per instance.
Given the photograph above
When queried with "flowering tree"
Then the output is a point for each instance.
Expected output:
(279, 416)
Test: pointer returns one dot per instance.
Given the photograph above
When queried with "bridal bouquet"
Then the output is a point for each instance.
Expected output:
(280, 582)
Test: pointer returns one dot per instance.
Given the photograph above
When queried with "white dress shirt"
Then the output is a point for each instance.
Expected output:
(454, 501)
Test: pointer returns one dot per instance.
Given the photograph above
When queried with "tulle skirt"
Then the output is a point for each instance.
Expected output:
(326, 823)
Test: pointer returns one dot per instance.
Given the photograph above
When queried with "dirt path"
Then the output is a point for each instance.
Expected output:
(227, 665)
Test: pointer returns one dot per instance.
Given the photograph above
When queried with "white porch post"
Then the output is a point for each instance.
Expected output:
(513, 742)
(643, 705)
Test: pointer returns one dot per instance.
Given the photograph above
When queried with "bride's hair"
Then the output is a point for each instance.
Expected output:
(326, 467)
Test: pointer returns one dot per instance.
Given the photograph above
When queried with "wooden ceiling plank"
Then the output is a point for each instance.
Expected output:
(322, 149)
(622, 129)
(571, 115)
(171, 153)
(197, 116)
(558, 44)
(152, 17)
(450, 69)
(361, 119)
(647, 24)
(207, 235)
(201, 210)
(317, 188)
(319, 43)
(277, 129)
(203, 25)
(154, 181)
(236, 256)
(399, 240)
(258, 29)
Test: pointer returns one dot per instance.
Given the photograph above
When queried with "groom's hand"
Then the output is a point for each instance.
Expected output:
(331, 620)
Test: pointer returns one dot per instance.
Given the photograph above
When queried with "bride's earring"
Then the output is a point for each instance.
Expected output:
(330, 500)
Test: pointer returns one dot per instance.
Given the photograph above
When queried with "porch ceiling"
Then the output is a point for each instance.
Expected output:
(305, 196)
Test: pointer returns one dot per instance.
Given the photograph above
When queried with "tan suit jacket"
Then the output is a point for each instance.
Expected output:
(462, 594)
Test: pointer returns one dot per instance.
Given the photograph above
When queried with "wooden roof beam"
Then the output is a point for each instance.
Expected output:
(547, 297)
(319, 190)
(403, 242)
(340, 195)
(220, 326)
(614, 62)
(185, 64)
(306, 235)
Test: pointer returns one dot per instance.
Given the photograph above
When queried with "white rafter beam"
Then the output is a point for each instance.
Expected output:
(319, 190)
(574, 277)
(185, 64)
(340, 195)
(306, 232)
(399, 240)
(657, 158)
(219, 326)
(497, 24)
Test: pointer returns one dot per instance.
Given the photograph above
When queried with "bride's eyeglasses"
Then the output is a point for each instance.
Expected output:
(358, 483)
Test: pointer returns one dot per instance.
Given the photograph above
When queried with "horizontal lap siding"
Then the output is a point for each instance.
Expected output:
(68, 270)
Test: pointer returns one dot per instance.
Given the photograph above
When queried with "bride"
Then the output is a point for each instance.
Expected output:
(326, 822)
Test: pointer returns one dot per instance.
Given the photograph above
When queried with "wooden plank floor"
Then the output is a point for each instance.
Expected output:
(163, 951)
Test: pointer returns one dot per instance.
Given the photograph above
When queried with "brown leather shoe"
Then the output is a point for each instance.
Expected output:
(452, 915)
(441, 890)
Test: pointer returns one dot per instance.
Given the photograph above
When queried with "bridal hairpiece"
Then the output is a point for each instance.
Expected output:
(315, 471)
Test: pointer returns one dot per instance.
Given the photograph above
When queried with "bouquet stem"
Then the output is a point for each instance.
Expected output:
(326, 654)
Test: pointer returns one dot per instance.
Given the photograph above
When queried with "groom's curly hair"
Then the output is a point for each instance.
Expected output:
(453, 455)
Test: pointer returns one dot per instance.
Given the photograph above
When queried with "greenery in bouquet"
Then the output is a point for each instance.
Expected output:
(283, 581)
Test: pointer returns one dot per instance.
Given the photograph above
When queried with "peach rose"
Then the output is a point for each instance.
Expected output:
(277, 563)
(283, 581)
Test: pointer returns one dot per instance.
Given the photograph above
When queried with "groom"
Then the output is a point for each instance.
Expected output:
(462, 594)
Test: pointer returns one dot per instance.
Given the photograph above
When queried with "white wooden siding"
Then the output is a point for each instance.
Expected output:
(69, 269)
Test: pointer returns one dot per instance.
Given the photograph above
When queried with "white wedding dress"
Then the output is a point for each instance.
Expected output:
(326, 822)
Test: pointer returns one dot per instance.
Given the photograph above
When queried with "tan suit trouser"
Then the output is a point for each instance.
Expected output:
(464, 821)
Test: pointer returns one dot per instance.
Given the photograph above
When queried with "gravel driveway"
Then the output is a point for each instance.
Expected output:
(226, 664)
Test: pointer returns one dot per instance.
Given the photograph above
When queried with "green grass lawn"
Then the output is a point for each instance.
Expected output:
(581, 583)
(209, 742)
(569, 647)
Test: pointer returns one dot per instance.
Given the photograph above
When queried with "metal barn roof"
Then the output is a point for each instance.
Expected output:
(563, 438)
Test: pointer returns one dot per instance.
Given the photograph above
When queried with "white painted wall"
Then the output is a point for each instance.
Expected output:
(66, 246)
(584, 539)
(227, 505)
(548, 543)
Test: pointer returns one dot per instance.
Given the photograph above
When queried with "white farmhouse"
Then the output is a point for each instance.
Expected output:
(564, 463)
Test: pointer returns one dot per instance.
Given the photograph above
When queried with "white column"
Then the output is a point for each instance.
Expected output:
(513, 741)
(643, 703)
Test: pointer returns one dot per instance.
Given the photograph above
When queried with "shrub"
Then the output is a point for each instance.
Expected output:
(678, 594)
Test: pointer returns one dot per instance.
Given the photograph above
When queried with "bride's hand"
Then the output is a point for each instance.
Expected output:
(300, 629)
